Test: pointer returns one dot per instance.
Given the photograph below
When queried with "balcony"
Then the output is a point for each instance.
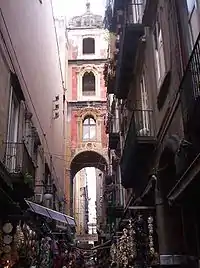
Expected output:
(114, 209)
(139, 144)
(132, 31)
(114, 137)
(190, 91)
(109, 76)
(21, 169)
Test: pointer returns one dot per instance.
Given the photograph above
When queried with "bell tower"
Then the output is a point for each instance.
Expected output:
(87, 6)
(87, 103)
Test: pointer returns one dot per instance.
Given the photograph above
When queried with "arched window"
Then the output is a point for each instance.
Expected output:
(88, 45)
(88, 84)
(89, 129)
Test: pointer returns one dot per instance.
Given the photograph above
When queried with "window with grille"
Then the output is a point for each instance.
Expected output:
(88, 84)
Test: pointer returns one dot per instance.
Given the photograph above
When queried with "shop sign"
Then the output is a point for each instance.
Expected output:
(87, 237)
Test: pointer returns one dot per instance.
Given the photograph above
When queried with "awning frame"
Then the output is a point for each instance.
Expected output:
(50, 213)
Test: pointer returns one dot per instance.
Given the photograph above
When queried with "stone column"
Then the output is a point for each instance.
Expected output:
(98, 129)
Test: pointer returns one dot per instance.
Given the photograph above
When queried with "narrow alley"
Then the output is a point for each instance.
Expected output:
(99, 133)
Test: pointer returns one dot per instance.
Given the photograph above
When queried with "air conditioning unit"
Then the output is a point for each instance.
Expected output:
(38, 198)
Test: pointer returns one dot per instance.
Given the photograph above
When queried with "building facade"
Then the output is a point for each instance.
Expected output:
(80, 196)
(100, 177)
(63, 45)
(32, 143)
(152, 79)
(86, 97)
(32, 101)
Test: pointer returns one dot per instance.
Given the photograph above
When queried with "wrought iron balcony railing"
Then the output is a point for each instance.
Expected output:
(17, 159)
(114, 125)
(190, 85)
(134, 12)
(141, 124)
(130, 30)
(139, 143)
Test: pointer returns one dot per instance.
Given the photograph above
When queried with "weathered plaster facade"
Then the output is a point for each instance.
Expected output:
(29, 51)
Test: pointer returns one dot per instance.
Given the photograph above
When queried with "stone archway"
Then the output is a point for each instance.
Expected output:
(88, 159)
(83, 159)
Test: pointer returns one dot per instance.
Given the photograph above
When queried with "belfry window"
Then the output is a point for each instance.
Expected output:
(89, 129)
(88, 84)
(88, 45)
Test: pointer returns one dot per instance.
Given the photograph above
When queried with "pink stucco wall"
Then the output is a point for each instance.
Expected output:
(30, 26)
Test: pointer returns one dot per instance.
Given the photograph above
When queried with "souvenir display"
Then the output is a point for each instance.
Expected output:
(135, 248)
(7, 228)
(22, 246)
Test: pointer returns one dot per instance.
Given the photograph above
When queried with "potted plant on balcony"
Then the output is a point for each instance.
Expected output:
(28, 179)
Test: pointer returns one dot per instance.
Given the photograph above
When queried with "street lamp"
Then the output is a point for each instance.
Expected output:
(48, 191)
(48, 195)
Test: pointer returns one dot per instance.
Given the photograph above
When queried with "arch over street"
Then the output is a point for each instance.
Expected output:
(88, 159)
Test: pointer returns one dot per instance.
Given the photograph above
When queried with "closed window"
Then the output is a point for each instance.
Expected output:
(144, 115)
(144, 94)
(190, 5)
(88, 46)
(13, 118)
(193, 20)
(29, 137)
(135, 11)
(89, 129)
(13, 148)
(159, 53)
(88, 84)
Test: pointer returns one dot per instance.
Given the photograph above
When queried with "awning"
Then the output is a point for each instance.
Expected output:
(52, 214)
(102, 246)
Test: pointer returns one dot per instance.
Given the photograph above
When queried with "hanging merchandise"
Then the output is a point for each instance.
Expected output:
(135, 248)
(142, 242)
(123, 249)
(131, 244)
(126, 247)
(19, 245)
(146, 253)
(8, 254)
(113, 254)
(45, 252)
(7, 228)
(153, 255)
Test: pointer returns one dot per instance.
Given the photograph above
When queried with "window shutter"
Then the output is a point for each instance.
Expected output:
(161, 55)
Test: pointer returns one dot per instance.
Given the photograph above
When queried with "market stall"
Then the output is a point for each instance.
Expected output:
(18, 243)
(32, 238)
(136, 247)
